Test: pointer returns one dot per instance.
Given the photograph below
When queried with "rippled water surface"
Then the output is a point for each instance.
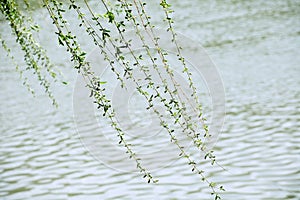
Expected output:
(254, 44)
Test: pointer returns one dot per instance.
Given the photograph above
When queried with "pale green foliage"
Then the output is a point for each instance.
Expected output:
(34, 55)
(117, 18)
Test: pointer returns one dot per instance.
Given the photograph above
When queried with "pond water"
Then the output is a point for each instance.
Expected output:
(255, 46)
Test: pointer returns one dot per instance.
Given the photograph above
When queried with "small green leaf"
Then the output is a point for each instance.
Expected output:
(110, 16)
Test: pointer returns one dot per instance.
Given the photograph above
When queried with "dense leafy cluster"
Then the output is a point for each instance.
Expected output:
(34, 55)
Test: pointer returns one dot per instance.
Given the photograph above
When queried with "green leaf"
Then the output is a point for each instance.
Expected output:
(110, 16)
(164, 4)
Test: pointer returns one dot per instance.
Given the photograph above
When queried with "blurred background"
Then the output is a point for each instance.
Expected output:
(255, 46)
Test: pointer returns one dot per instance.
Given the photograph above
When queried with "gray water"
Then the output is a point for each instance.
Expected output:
(254, 44)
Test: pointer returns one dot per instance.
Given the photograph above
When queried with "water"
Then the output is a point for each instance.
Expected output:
(254, 44)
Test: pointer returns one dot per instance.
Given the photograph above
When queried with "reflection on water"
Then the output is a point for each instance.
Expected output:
(255, 45)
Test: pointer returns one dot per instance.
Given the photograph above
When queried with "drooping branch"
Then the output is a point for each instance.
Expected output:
(117, 18)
